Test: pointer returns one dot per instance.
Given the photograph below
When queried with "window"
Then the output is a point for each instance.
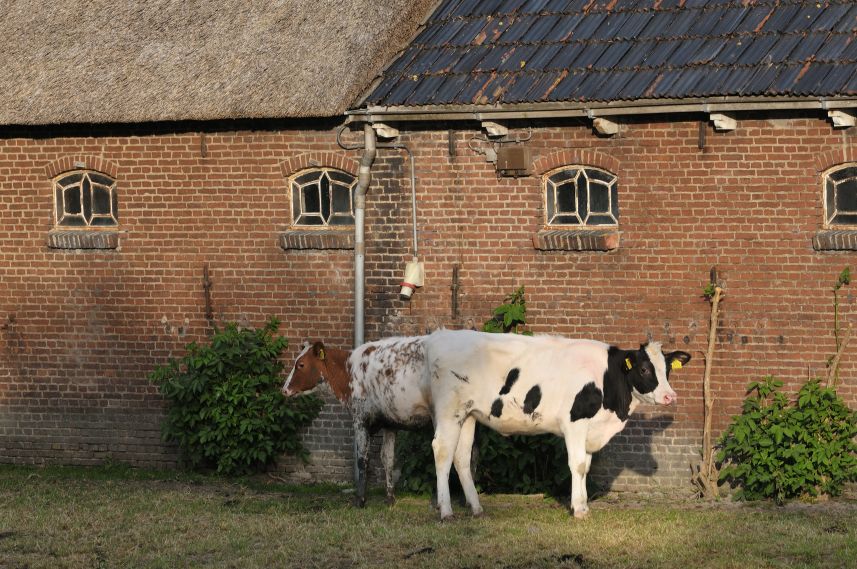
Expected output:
(840, 197)
(85, 199)
(323, 197)
(581, 210)
(580, 196)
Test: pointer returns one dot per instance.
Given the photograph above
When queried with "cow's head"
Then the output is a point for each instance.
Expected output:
(648, 370)
(309, 371)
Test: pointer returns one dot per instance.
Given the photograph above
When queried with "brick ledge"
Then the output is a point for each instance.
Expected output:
(82, 239)
(297, 239)
(835, 240)
(576, 240)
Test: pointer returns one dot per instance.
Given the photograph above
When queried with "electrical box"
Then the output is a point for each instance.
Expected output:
(513, 160)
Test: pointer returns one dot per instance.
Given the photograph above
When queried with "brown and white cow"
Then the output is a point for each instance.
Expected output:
(382, 383)
(581, 390)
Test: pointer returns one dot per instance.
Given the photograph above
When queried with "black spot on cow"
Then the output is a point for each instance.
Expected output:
(460, 377)
(532, 400)
(587, 402)
(497, 407)
(511, 378)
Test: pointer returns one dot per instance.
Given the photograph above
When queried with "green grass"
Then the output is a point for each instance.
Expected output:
(123, 518)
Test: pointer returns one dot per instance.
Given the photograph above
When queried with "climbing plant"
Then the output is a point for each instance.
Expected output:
(781, 449)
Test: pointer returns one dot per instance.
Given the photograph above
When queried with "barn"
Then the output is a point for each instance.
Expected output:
(608, 156)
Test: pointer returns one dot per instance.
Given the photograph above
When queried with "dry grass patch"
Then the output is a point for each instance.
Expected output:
(95, 518)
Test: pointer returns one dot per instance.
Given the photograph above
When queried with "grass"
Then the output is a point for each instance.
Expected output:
(118, 517)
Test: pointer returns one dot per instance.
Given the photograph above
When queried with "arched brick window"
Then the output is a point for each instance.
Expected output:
(581, 196)
(322, 197)
(85, 199)
(840, 196)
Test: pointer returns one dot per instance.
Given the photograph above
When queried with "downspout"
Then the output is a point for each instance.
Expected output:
(364, 177)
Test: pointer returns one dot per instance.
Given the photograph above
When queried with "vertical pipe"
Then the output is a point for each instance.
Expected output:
(364, 177)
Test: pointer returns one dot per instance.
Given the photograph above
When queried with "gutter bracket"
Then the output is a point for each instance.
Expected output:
(842, 119)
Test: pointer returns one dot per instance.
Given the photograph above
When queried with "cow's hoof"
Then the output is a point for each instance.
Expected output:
(359, 502)
(478, 513)
(390, 500)
(581, 513)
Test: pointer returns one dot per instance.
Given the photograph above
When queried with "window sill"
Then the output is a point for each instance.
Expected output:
(835, 240)
(82, 239)
(322, 239)
(576, 240)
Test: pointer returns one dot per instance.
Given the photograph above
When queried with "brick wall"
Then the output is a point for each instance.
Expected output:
(79, 330)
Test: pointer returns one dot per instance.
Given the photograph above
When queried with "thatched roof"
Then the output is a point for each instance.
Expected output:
(101, 61)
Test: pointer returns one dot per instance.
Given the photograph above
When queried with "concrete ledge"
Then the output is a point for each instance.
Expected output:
(576, 240)
(296, 239)
(82, 239)
(835, 240)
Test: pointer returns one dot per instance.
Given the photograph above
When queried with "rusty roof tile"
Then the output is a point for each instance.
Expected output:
(489, 51)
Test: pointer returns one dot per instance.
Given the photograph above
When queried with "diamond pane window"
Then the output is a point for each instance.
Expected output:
(840, 196)
(581, 196)
(323, 197)
(85, 199)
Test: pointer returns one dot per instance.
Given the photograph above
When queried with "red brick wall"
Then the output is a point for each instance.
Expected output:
(82, 329)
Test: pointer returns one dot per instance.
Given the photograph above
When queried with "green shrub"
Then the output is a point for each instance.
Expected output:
(519, 464)
(225, 407)
(781, 450)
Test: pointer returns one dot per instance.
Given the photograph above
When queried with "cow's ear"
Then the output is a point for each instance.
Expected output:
(318, 350)
(677, 359)
(629, 362)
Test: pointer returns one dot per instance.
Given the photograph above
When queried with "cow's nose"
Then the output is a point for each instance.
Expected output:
(670, 398)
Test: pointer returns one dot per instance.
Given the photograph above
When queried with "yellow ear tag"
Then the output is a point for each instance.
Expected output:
(676, 364)
(321, 354)
(628, 363)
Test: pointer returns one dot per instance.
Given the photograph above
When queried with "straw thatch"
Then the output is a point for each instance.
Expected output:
(97, 61)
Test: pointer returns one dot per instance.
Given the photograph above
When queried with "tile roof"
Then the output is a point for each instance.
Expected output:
(478, 52)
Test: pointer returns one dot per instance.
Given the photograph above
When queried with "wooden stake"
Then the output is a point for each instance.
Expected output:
(833, 371)
(707, 450)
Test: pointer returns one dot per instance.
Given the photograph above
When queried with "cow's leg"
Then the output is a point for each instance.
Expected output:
(361, 461)
(578, 464)
(388, 458)
(461, 459)
(445, 441)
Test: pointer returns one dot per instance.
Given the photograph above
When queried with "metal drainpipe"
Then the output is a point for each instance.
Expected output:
(364, 177)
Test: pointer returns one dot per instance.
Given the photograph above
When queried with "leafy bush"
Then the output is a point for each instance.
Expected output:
(782, 450)
(520, 464)
(225, 406)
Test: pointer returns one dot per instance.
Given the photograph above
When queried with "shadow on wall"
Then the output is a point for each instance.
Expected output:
(630, 459)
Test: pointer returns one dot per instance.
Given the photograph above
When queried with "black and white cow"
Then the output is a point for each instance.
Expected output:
(581, 390)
